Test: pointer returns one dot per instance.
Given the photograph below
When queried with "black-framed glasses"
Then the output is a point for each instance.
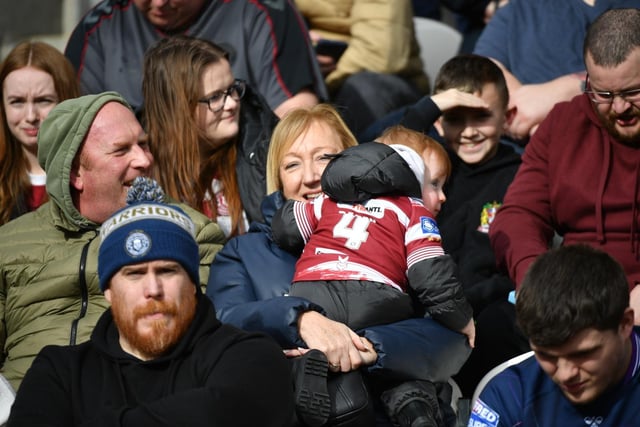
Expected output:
(216, 101)
(607, 97)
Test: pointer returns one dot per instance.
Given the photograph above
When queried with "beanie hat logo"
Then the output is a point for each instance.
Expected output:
(137, 243)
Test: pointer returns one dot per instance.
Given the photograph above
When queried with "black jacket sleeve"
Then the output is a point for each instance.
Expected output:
(421, 116)
(437, 287)
(285, 229)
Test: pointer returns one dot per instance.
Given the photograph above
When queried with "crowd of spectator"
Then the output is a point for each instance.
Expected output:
(191, 232)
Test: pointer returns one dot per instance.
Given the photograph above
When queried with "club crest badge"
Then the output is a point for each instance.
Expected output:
(428, 225)
(429, 229)
(487, 215)
(137, 244)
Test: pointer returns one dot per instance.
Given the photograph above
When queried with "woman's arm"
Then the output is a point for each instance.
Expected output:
(418, 348)
(338, 342)
(248, 281)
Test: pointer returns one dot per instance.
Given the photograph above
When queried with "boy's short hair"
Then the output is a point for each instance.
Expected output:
(569, 289)
(469, 73)
(419, 142)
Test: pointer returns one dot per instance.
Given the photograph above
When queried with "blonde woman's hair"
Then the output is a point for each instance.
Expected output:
(294, 124)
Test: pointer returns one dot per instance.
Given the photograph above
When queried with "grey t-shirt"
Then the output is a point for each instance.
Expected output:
(267, 41)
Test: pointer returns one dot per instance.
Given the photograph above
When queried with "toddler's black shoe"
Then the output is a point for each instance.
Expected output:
(312, 400)
(413, 404)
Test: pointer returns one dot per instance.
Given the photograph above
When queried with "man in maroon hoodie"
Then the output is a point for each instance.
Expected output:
(579, 178)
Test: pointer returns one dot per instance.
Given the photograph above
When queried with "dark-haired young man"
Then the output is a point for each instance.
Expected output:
(573, 306)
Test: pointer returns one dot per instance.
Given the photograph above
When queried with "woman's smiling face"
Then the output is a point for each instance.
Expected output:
(302, 164)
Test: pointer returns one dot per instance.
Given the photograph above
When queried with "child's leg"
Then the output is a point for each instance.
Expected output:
(357, 304)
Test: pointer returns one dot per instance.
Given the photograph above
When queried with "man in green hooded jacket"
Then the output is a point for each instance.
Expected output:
(91, 148)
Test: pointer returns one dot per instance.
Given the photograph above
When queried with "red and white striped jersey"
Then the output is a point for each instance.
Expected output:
(377, 240)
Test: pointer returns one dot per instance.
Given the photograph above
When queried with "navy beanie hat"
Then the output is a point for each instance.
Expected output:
(147, 230)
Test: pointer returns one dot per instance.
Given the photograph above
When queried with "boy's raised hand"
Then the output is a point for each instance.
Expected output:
(453, 98)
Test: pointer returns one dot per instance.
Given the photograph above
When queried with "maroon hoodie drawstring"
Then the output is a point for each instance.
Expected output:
(634, 214)
(604, 174)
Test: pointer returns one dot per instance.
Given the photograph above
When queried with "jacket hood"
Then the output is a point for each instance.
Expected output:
(607, 163)
(367, 171)
(59, 139)
(269, 205)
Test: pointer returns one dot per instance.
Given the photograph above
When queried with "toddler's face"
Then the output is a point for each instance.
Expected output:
(434, 178)
(474, 133)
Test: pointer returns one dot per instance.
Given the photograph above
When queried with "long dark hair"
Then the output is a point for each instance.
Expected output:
(171, 86)
(14, 179)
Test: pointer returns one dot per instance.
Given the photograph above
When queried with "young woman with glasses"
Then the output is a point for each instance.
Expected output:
(208, 131)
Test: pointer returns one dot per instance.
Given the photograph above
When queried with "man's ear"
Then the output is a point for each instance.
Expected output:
(438, 125)
(75, 179)
(509, 115)
(626, 324)
(107, 295)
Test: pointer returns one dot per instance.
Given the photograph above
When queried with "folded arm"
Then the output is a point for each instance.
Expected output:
(249, 385)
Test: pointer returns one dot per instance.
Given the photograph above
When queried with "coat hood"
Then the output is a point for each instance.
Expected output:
(59, 139)
(607, 162)
(269, 205)
(367, 171)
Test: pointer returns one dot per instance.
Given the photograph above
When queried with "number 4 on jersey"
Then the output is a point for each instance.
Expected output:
(355, 231)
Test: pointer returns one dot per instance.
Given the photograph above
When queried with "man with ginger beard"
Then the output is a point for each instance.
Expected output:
(158, 356)
(160, 333)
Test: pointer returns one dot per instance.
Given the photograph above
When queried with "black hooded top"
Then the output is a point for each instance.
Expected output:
(215, 376)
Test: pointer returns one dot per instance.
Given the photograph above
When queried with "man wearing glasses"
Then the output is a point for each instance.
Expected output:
(579, 178)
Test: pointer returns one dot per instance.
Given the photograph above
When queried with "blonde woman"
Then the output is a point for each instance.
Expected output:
(251, 275)
(251, 272)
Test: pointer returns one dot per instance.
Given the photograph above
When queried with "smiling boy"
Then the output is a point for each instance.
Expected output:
(469, 111)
